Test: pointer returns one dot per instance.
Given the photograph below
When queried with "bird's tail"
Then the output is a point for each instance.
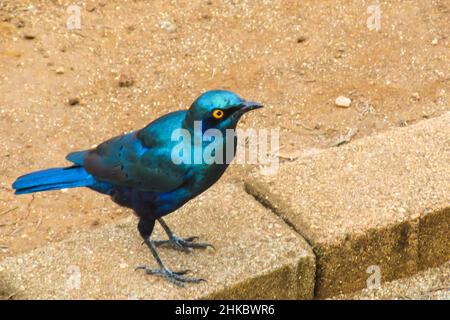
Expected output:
(53, 179)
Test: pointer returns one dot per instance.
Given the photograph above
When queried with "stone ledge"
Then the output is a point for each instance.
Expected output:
(382, 200)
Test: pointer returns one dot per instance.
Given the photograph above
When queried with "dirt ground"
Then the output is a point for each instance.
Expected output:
(133, 61)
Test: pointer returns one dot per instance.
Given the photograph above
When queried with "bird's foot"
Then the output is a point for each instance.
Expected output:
(181, 244)
(176, 277)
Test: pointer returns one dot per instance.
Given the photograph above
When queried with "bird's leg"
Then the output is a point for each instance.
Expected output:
(176, 277)
(186, 244)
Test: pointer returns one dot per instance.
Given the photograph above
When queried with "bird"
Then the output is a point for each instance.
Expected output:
(141, 171)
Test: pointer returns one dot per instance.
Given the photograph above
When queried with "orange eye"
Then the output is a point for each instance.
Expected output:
(217, 113)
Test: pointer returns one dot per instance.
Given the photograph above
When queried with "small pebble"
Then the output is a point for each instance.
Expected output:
(206, 16)
(74, 101)
(402, 123)
(95, 223)
(415, 96)
(130, 28)
(90, 7)
(434, 42)
(168, 26)
(29, 35)
(301, 39)
(342, 101)
(19, 23)
(125, 80)
(59, 70)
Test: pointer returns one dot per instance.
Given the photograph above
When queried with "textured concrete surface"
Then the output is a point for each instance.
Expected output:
(431, 284)
(382, 200)
(257, 256)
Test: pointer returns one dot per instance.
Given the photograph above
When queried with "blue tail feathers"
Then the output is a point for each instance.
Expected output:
(53, 179)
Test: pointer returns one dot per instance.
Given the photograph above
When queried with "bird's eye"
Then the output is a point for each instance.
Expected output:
(218, 114)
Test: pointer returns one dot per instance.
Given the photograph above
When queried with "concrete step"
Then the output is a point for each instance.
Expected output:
(379, 203)
(257, 256)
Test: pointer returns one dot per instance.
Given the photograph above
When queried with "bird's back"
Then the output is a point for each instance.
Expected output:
(140, 159)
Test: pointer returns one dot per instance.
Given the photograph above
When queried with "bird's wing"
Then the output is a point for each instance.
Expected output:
(126, 161)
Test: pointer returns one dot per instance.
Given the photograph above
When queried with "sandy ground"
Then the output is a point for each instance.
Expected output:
(295, 57)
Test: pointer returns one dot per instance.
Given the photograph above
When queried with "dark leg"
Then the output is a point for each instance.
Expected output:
(145, 228)
(178, 243)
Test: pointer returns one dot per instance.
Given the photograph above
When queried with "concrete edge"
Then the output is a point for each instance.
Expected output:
(409, 246)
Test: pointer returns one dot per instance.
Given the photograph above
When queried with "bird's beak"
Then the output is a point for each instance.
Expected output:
(250, 105)
(245, 107)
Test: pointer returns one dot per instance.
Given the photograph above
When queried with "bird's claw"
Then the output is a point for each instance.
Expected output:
(181, 244)
(175, 277)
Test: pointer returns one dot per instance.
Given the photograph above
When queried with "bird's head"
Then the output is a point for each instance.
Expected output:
(219, 109)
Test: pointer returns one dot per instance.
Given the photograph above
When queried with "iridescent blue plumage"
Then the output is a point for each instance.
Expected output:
(137, 169)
